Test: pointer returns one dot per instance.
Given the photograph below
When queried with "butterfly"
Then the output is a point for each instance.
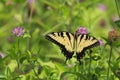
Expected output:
(70, 43)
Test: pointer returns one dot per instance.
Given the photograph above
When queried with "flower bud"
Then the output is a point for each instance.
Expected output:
(113, 35)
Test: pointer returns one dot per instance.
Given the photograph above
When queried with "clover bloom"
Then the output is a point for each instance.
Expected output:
(115, 18)
(18, 31)
(113, 35)
(1, 55)
(101, 42)
(102, 7)
(82, 30)
(30, 1)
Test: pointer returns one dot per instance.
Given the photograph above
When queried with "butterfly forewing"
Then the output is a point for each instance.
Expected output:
(64, 40)
(84, 42)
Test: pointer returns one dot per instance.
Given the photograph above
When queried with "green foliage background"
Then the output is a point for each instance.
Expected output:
(39, 59)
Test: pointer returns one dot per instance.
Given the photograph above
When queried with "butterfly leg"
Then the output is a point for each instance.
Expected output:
(80, 56)
(66, 60)
(80, 62)
(90, 52)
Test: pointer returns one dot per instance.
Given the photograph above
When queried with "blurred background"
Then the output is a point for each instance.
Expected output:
(39, 17)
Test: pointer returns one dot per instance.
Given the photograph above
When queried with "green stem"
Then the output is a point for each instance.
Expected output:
(28, 42)
(109, 61)
(71, 15)
(34, 70)
(79, 68)
(89, 64)
(7, 73)
(82, 69)
(18, 53)
(117, 6)
(89, 69)
(29, 31)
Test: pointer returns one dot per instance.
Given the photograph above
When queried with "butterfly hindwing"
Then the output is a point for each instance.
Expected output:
(84, 42)
(64, 40)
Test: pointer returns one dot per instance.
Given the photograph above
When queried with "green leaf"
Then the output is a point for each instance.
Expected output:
(2, 77)
(116, 43)
(22, 59)
(104, 38)
(26, 35)
(29, 54)
(68, 73)
(94, 76)
(59, 67)
(40, 68)
(118, 59)
(13, 53)
(117, 23)
(96, 57)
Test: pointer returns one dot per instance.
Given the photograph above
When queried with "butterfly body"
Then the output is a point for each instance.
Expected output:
(70, 43)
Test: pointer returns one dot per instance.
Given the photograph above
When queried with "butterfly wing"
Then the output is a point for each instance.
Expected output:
(83, 43)
(64, 40)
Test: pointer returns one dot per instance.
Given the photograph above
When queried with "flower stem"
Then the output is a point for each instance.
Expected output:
(18, 53)
(89, 69)
(90, 64)
(71, 15)
(32, 65)
(109, 61)
(117, 6)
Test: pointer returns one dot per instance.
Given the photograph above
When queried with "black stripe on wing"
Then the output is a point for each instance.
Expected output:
(82, 53)
(67, 54)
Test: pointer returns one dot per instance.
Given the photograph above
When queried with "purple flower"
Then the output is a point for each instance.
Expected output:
(1, 55)
(115, 18)
(102, 7)
(101, 42)
(18, 31)
(30, 1)
(82, 30)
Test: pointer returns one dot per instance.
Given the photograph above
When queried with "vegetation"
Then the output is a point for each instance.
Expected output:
(25, 54)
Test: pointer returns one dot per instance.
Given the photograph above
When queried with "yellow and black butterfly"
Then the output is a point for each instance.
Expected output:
(70, 43)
